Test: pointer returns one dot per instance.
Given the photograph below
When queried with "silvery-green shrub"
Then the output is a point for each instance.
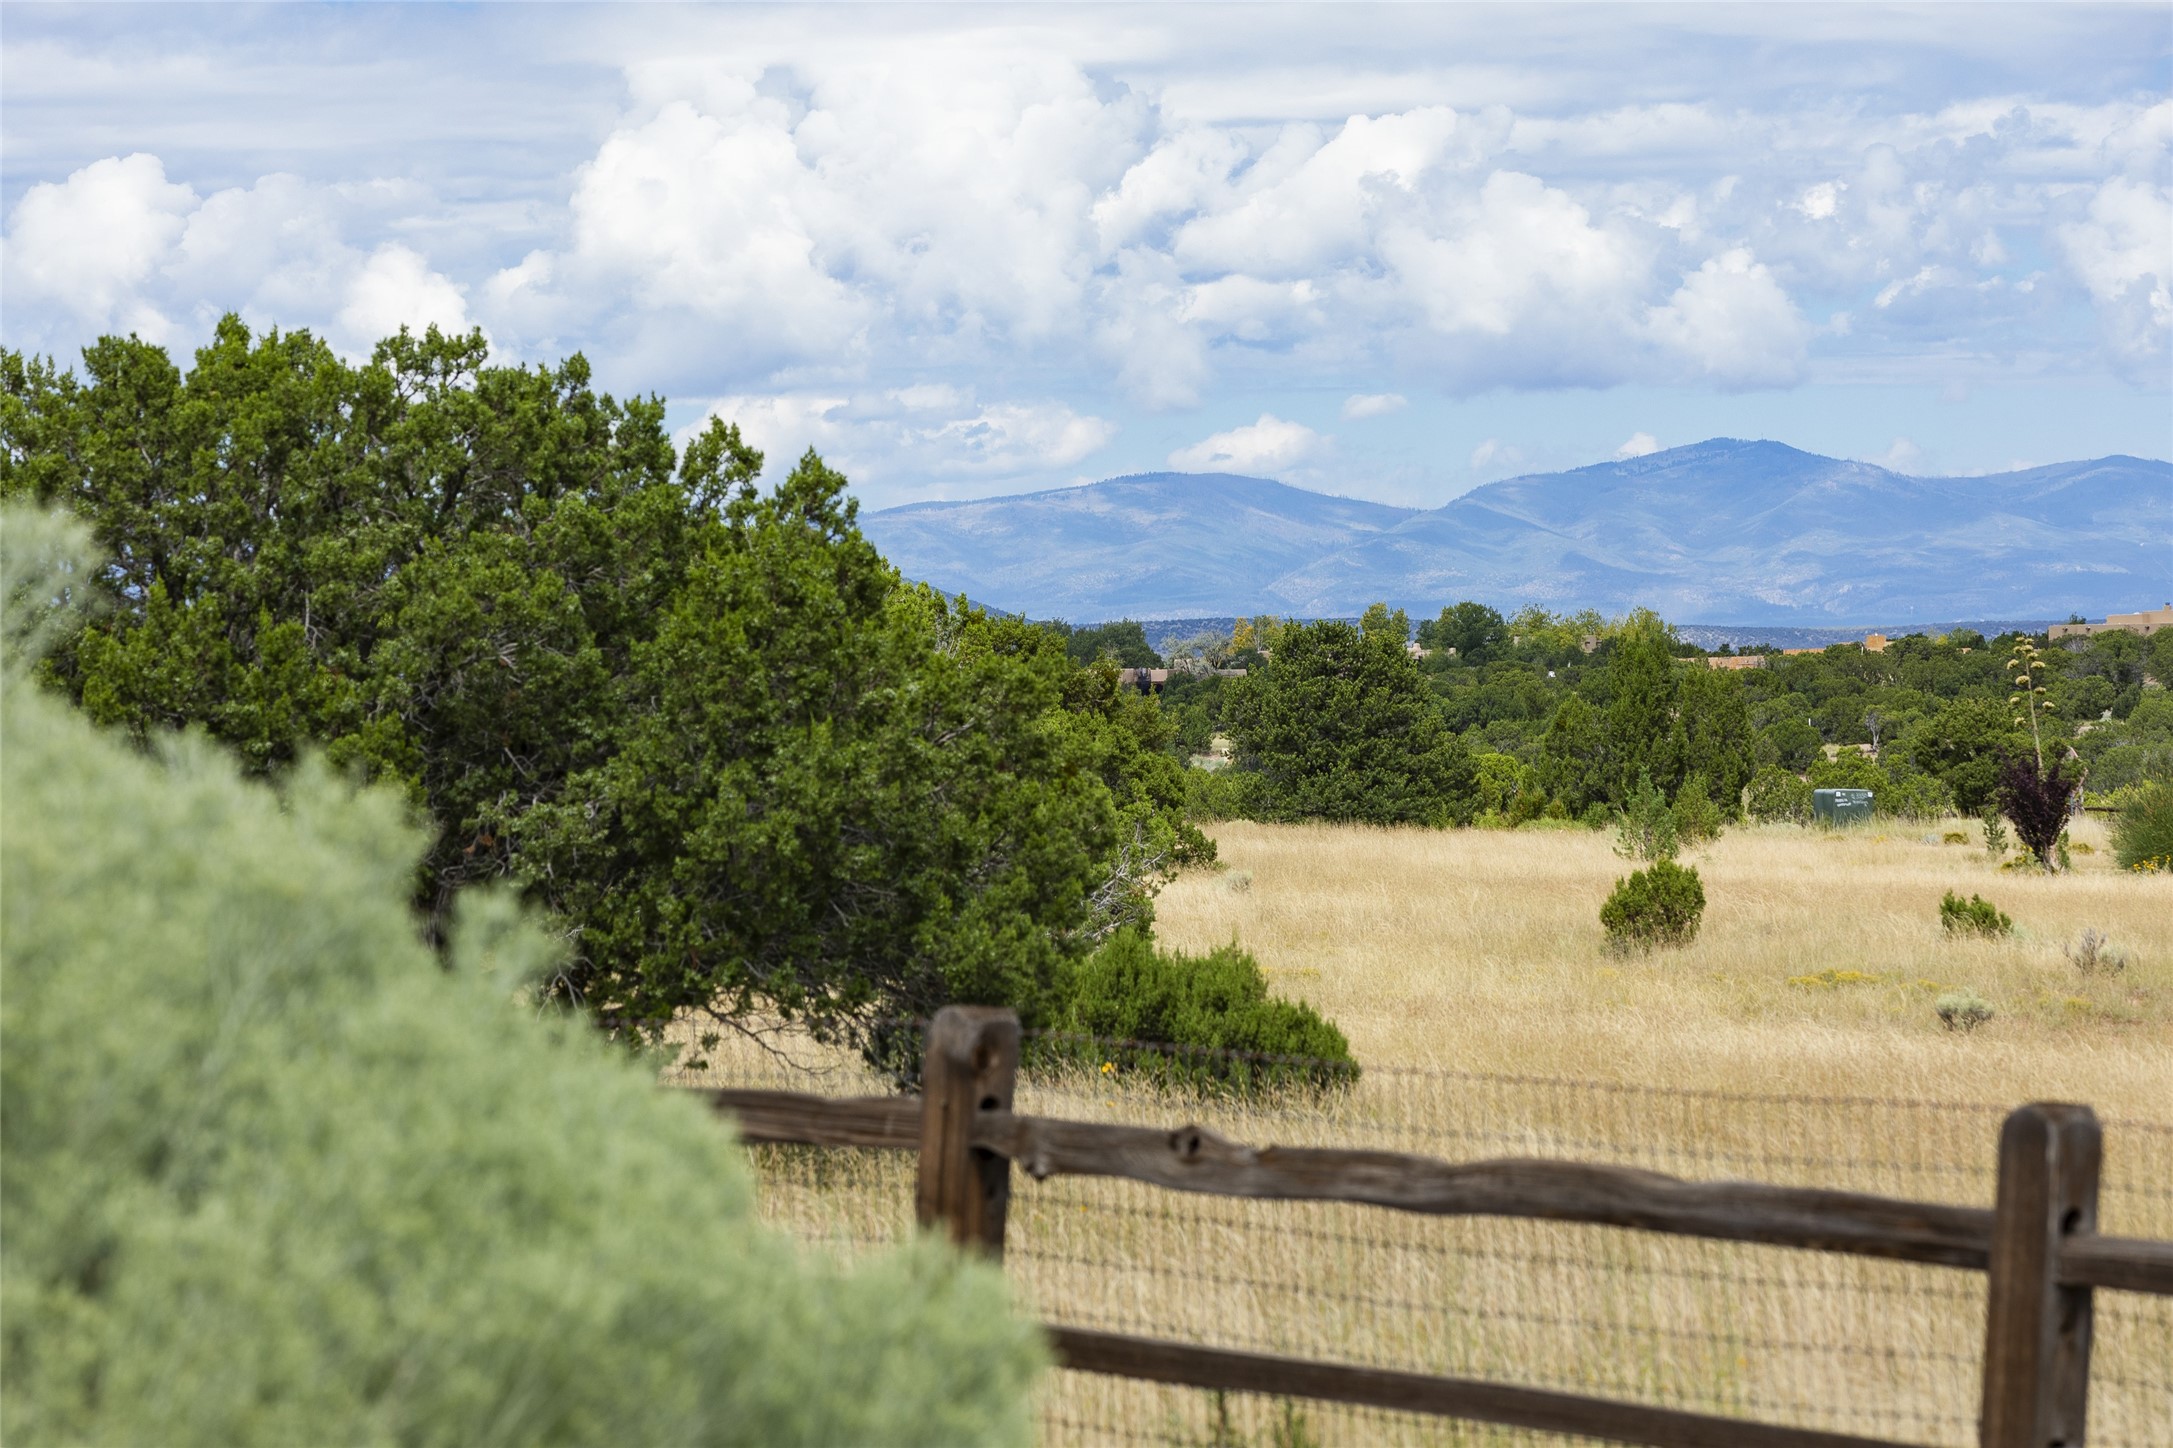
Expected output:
(1962, 1010)
(271, 1175)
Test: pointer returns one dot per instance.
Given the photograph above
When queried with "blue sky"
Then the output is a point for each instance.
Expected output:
(1390, 252)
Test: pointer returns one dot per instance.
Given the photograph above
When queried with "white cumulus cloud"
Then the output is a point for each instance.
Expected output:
(1640, 444)
(396, 288)
(119, 246)
(90, 242)
(1372, 404)
(2123, 253)
(932, 431)
(833, 224)
(1731, 322)
(1267, 445)
(1901, 456)
(1496, 459)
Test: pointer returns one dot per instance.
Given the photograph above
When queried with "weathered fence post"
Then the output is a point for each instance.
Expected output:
(971, 1065)
(2037, 1332)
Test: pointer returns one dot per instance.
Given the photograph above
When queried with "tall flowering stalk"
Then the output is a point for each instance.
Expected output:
(2027, 667)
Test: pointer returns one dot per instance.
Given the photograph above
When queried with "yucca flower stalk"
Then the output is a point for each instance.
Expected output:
(2026, 666)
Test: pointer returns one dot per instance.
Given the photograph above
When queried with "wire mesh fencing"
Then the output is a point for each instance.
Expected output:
(1813, 1339)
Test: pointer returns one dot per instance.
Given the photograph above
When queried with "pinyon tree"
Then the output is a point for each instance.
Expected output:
(700, 721)
(1340, 725)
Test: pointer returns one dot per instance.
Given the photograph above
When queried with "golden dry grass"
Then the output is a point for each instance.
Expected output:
(1481, 951)
(1469, 971)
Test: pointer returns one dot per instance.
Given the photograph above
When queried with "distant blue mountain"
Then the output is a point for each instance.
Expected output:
(1155, 545)
(1722, 531)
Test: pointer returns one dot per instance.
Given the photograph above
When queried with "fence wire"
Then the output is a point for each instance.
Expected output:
(1811, 1339)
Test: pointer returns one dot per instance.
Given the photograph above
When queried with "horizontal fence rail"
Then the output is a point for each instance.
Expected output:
(2038, 1248)
(1194, 1159)
(1481, 1402)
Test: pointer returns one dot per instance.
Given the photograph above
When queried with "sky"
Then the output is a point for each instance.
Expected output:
(1390, 252)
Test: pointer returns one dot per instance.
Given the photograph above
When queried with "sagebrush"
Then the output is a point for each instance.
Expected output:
(272, 1174)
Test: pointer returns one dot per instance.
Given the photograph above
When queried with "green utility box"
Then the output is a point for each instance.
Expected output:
(1841, 806)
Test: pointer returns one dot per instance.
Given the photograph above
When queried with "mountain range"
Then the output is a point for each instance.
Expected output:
(1723, 531)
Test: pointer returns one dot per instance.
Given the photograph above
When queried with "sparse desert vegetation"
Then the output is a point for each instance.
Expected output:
(1480, 951)
(1797, 1039)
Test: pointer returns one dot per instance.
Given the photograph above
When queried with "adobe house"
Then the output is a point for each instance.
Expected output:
(2145, 623)
(1874, 643)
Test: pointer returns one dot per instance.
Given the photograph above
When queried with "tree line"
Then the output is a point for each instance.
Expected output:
(1561, 716)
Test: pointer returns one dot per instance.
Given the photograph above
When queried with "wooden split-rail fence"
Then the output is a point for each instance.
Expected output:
(2038, 1245)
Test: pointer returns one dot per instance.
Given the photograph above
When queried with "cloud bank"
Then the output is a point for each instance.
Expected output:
(967, 248)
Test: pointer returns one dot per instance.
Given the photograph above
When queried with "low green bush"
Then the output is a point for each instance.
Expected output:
(273, 1175)
(1697, 817)
(1778, 797)
(1646, 828)
(1915, 797)
(1659, 905)
(1974, 916)
(2143, 831)
(1204, 1020)
(1217, 794)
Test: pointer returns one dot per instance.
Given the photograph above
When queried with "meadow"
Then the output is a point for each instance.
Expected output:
(1794, 1041)
(1479, 950)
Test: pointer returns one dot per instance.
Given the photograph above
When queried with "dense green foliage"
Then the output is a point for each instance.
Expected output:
(2143, 833)
(1338, 725)
(1562, 713)
(702, 722)
(1217, 1004)
(1777, 796)
(1647, 828)
(2135, 751)
(271, 1175)
(1471, 631)
(1660, 905)
(1974, 916)
(1900, 793)
(1123, 643)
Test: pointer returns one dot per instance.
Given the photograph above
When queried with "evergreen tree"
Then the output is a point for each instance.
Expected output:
(1339, 725)
(1713, 737)
(1573, 756)
(1641, 728)
(700, 721)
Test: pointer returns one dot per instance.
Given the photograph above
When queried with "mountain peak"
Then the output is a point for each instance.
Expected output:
(1151, 545)
(1726, 530)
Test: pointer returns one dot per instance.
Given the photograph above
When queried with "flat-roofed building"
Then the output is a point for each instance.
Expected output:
(1147, 681)
(2146, 623)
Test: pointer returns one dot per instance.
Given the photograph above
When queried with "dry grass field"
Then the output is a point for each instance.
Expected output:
(1481, 951)
(1795, 1041)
